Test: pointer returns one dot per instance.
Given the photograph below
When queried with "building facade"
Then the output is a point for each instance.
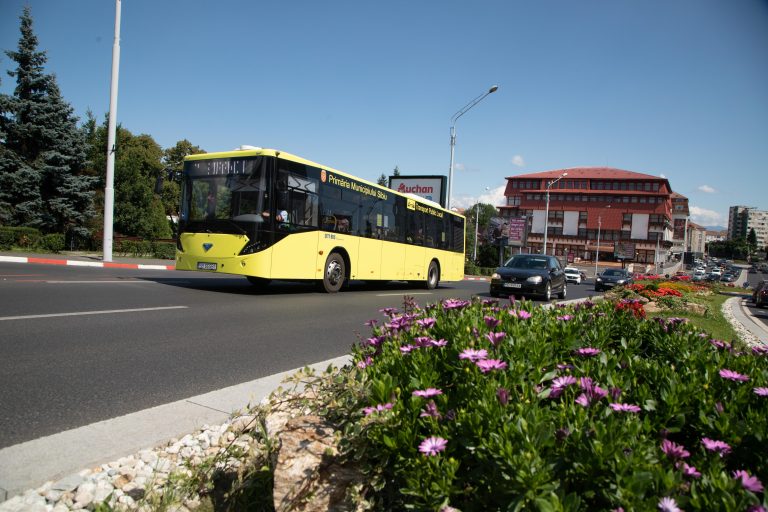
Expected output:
(623, 215)
(741, 219)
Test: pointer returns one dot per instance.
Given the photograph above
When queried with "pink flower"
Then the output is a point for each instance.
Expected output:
(565, 318)
(406, 349)
(438, 343)
(487, 365)
(455, 304)
(668, 505)
(432, 445)
(427, 393)
(491, 322)
(690, 471)
(673, 450)
(760, 350)
(495, 337)
(368, 361)
(378, 408)
(749, 482)
(592, 392)
(716, 446)
(473, 355)
(731, 375)
(426, 323)
(430, 411)
(624, 407)
(760, 391)
(587, 352)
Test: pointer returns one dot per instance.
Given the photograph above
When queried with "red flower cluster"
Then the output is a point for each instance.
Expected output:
(633, 306)
(661, 292)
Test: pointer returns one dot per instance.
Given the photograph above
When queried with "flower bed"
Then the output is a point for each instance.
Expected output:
(483, 406)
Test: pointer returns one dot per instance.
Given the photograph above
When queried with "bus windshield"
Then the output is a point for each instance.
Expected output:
(225, 194)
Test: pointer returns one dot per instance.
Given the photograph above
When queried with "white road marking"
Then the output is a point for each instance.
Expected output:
(401, 294)
(82, 313)
(100, 282)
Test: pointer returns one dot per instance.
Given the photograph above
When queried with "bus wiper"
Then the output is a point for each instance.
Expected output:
(241, 230)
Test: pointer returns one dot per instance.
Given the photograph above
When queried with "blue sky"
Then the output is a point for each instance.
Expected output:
(677, 88)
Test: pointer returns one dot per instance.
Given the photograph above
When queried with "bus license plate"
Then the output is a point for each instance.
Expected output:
(513, 285)
(201, 265)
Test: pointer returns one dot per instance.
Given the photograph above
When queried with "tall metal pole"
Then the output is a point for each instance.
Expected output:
(597, 249)
(477, 226)
(546, 211)
(455, 118)
(109, 190)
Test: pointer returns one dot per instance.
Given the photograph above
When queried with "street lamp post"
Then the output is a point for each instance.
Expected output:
(597, 249)
(546, 210)
(455, 118)
(477, 226)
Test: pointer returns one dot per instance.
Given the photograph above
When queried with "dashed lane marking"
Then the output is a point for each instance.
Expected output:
(83, 313)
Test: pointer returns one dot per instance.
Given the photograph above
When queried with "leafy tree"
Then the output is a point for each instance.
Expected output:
(383, 180)
(752, 239)
(43, 150)
(486, 212)
(173, 164)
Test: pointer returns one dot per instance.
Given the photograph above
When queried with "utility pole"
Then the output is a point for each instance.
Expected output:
(109, 188)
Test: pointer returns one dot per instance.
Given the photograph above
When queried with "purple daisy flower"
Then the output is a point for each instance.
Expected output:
(674, 450)
(690, 471)
(587, 352)
(438, 343)
(756, 508)
(495, 337)
(760, 350)
(735, 376)
(388, 311)
(491, 322)
(406, 349)
(668, 505)
(473, 355)
(487, 365)
(760, 391)
(426, 323)
(564, 381)
(455, 304)
(716, 446)
(430, 411)
(503, 395)
(624, 407)
(565, 318)
(432, 445)
(377, 408)
(427, 393)
(749, 482)
(364, 363)
(371, 323)
(592, 392)
(523, 315)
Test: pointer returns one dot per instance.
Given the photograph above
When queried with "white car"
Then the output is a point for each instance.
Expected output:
(572, 275)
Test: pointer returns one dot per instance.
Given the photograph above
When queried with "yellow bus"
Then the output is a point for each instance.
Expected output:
(266, 214)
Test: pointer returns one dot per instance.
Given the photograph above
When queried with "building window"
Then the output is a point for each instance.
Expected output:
(627, 218)
(634, 199)
(655, 187)
(582, 216)
(643, 199)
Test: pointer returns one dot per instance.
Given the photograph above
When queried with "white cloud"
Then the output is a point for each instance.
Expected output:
(705, 217)
(494, 196)
(518, 161)
(707, 189)
(459, 167)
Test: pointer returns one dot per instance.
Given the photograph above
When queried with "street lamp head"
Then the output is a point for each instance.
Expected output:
(493, 88)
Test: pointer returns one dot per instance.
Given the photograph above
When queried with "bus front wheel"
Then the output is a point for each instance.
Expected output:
(334, 274)
(433, 276)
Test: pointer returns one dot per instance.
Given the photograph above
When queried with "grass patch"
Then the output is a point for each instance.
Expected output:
(712, 322)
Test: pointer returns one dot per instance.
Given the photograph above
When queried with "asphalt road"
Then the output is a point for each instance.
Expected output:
(80, 345)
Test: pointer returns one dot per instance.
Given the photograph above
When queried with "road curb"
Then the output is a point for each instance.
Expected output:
(79, 263)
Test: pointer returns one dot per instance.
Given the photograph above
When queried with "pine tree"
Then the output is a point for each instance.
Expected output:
(42, 161)
(383, 181)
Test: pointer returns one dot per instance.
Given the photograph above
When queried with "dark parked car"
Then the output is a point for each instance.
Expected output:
(760, 295)
(612, 277)
(530, 274)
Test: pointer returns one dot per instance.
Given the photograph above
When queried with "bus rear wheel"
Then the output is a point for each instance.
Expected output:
(334, 274)
(433, 276)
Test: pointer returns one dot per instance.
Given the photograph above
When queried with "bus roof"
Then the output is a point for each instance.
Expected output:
(256, 151)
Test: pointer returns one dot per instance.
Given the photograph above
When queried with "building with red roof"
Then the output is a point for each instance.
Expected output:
(632, 213)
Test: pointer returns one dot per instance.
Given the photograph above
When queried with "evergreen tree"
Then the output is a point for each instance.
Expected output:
(43, 151)
(396, 172)
(383, 180)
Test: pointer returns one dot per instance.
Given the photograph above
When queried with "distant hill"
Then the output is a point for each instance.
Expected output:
(715, 228)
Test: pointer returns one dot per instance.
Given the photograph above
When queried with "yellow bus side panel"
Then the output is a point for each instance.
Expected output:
(293, 257)
(392, 261)
(367, 266)
(416, 267)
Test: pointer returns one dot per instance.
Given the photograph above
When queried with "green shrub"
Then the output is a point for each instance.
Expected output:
(164, 250)
(53, 242)
(134, 248)
(22, 237)
(573, 408)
